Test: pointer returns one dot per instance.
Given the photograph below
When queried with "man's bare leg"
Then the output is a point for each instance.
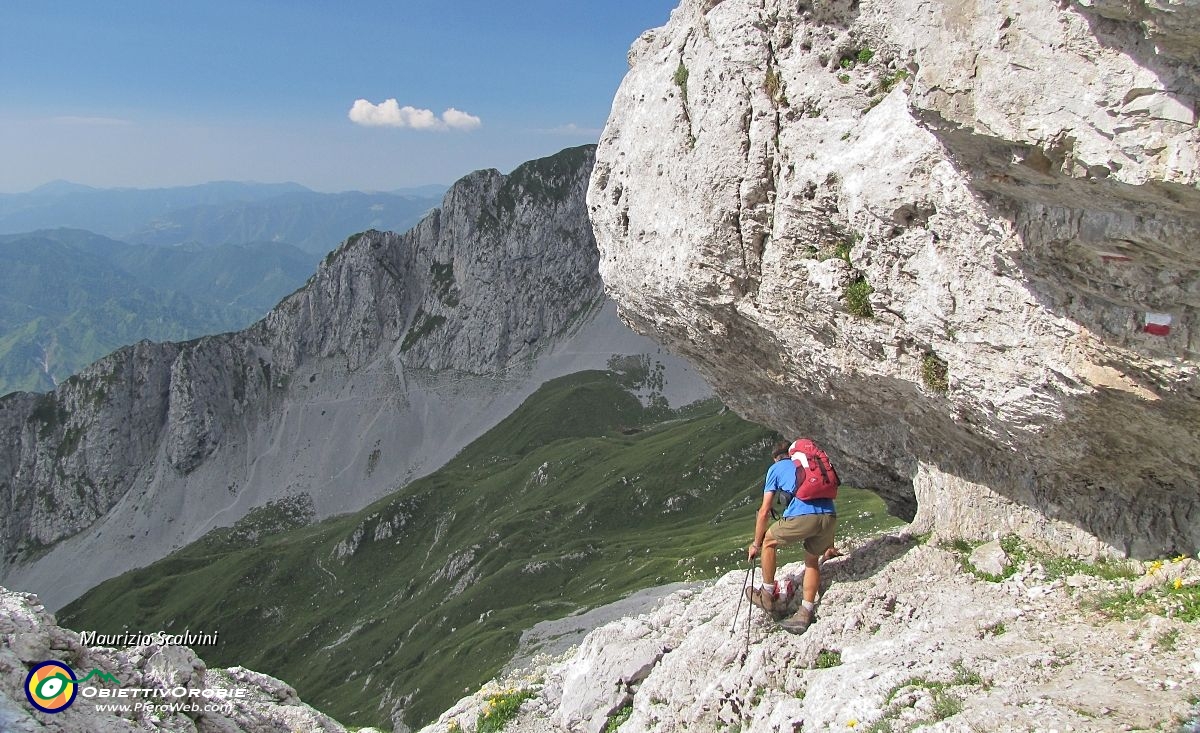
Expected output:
(812, 576)
(768, 560)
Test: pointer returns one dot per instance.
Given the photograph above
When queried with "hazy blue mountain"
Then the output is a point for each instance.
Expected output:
(68, 296)
(218, 213)
(114, 212)
(255, 276)
(430, 191)
(64, 304)
(314, 222)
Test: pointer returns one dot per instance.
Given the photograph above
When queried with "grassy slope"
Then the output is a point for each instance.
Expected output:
(426, 592)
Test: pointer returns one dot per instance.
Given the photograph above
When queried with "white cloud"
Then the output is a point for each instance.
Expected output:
(460, 120)
(389, 113)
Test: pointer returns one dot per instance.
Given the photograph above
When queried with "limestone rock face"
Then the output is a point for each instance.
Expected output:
(30, 636)
(399, 351)
(954, 242)
(903, 639)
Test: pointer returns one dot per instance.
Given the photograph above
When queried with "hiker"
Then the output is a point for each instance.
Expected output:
(811, 522)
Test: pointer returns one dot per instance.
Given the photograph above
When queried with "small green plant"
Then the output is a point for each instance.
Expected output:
(773, 84)
(865, 55)
(827, 658)
(847, 63)
(1165, 642)
(935, 373)
(617, 719)
(964, 676)
(756, 698)
(843, 78)
(996, 629)
(1062, 567)
(500, 708)
(888, 82)
(946, 705)
(681, 78)
(841, 250)
(858, 298)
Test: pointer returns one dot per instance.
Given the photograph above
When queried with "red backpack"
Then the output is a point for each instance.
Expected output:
(815, 476)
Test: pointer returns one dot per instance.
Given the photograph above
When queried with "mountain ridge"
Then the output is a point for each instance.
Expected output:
(400, 349)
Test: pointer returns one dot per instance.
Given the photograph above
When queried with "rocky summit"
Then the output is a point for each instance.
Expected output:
(955, 242)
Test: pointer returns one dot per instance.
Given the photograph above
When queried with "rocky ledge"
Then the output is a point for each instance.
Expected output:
(907, 633)
(29, 636)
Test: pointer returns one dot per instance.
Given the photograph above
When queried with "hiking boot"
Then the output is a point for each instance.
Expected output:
(798, 623)
(761, 598)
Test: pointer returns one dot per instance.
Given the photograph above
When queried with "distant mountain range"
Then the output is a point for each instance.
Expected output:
(69, 296)
(216, 213)
(85, 270)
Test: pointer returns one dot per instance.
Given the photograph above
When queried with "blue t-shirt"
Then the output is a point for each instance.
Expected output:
(782, 476)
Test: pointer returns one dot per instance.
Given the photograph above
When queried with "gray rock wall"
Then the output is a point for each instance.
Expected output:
(930, 235)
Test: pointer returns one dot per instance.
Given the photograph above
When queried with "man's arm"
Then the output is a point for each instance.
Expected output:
(760, 524)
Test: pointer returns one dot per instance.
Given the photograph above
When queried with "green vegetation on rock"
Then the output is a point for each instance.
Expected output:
(858, 298)
(423, 325)
(935, 373)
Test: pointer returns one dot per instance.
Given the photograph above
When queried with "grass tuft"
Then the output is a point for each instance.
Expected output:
(828, 658)
(619, 718)
(681, 78)
(858, 298)
(501, 708)
(935, 373)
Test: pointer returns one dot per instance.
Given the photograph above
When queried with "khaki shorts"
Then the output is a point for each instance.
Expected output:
(814, 530)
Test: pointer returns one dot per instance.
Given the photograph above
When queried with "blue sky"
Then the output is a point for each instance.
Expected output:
(152, 93)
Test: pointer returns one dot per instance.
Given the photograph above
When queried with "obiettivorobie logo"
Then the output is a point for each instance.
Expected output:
(52, 688)
(52, 685)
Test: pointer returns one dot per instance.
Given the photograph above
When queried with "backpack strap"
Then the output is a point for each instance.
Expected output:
(790, 496)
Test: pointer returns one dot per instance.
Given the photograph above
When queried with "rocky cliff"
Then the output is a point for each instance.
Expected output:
(956, 242)
(153, 674)
(400, 350)
(908, 636)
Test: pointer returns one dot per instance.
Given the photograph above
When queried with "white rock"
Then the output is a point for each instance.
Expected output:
(990, 557)
(988, 200)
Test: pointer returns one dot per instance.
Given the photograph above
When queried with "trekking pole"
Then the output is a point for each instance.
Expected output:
(738, 608)
(748, 611)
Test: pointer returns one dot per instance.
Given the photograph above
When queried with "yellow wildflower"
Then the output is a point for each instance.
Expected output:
(1154, 567)
(1178, 559)
(852, 722)
(1178, 583)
